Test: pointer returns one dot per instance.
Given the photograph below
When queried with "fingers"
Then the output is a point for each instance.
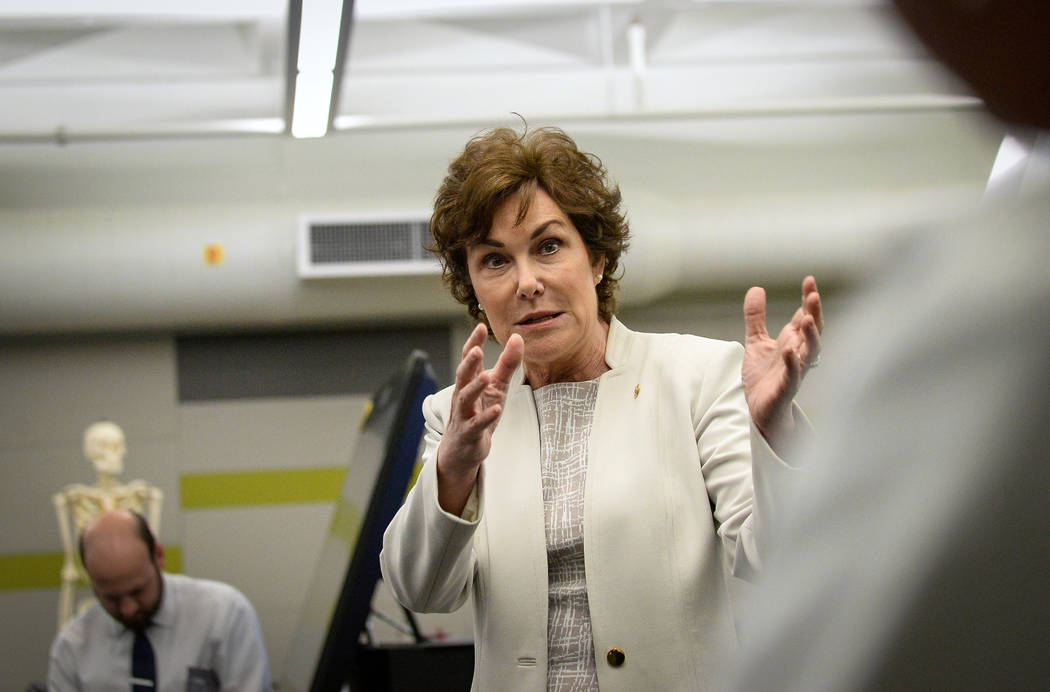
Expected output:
(812, 323)
(811, 303)
(508, 362)
(755, 314)
(480, 393)
(495, 393)
(471, 379)
(470, 410)
(794, 365)
(470, 366)
(476, 338)
(487, 416)
(811, 333)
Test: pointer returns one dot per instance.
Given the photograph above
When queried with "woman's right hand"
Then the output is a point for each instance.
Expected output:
(477, 403)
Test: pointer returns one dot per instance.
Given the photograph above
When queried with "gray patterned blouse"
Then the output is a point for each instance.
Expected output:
(566, 411)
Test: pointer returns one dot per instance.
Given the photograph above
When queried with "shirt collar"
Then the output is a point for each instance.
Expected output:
(617, 344)
(165, 615)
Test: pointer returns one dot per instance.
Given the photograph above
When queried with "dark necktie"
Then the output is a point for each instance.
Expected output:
(143, 664)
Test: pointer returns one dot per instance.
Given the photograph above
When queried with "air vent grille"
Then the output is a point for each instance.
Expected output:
(365, 247)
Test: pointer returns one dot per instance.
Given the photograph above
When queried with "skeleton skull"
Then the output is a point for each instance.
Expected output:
(104, 446)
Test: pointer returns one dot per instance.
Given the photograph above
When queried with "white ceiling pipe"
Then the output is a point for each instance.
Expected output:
(380, 123)
(111, 245)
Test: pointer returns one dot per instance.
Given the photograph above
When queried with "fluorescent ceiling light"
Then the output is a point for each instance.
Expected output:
(318, 46)
(319, 34)
(313, 94)
(636, 45)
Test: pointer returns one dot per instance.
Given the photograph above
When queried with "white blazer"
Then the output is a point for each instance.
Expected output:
(669, 504)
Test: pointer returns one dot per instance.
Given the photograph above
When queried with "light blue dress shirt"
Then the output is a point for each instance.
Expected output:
(205, 632)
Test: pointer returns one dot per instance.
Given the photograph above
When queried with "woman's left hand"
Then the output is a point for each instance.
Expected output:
(773, 369)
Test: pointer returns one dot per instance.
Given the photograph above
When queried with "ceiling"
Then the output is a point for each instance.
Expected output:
(753, 141)
(72, 70)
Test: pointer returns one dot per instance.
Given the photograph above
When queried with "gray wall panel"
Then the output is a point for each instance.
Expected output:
(301, 364)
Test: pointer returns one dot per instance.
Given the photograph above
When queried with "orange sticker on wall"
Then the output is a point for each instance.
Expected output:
(214, 254)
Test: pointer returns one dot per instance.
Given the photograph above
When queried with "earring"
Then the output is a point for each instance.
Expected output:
(600, 277)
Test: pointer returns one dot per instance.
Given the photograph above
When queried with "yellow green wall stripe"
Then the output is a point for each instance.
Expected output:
(33, 571)
(203, 491)
(41, 570)
(252, 488)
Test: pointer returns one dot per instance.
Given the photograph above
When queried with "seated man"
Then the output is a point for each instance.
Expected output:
(150, 630)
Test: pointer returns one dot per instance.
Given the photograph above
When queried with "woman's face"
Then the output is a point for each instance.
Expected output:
(537, 279)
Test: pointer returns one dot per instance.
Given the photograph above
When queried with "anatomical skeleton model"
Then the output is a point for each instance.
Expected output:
(78, 504)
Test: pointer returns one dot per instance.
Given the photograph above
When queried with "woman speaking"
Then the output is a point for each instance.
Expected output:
(590, 489)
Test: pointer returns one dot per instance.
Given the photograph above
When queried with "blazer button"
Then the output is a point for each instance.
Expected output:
(615, 657)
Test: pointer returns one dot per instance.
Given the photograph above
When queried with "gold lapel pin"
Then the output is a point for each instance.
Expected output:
(637, 388)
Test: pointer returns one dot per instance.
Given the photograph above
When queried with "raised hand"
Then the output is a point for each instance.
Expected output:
(477, 403)
(773, 369)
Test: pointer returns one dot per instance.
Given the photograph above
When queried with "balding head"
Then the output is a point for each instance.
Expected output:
(123, 561)
(117, 529)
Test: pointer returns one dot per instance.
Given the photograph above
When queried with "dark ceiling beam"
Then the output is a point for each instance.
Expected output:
(345, 27)
(291, 60)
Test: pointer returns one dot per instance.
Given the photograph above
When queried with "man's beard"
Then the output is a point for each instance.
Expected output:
(142, 618)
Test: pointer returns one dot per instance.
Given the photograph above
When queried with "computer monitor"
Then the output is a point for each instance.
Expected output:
(325, 648)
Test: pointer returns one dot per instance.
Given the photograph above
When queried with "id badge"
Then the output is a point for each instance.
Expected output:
(201, 680)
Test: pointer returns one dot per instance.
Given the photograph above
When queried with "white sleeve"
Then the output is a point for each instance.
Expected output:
(245, 666)
(427, 557)
(747, 483)
(61, 670)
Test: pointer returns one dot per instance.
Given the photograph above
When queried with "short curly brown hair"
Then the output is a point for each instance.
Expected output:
(499, 163)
